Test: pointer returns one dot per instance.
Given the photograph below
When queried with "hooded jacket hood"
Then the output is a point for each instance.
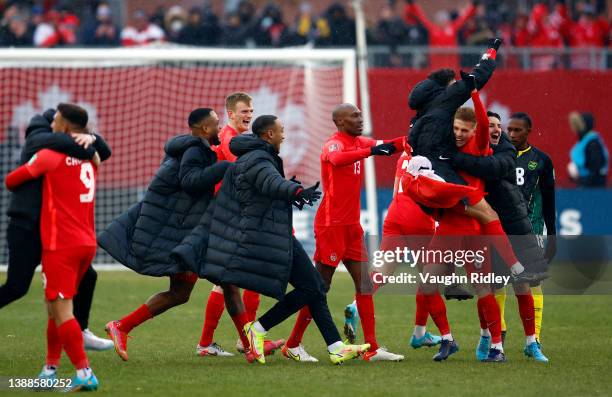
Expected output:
(176, 146)
(423, 93)
(245, 143)
(38, 122)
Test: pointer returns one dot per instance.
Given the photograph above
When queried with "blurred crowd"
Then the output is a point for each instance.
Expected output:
(559, 24)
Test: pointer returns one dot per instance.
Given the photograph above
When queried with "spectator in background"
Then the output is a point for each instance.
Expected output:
(544, 32)
(587, 32)
(17, 32)
(58, 28)
(442, 33)
(234, 34)
(175, 20)
(271, 30)
(311, 29)
(102, 32)
(342, 28)
(476, 32)
(589, 157)
(202, 28)
(392, 32)
(141, 31)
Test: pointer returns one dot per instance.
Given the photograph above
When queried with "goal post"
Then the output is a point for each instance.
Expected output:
(137, 98)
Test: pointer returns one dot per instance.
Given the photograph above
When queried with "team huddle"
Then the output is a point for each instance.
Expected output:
(220, 208)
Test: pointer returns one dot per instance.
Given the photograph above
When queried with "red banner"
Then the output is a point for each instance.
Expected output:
(548, 97)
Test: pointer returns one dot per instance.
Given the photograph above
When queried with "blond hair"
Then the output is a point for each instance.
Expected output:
(232, 100)
(466, 114)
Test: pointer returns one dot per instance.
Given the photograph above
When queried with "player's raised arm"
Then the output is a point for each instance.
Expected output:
(482, 123)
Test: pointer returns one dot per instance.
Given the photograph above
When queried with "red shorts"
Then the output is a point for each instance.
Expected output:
(461, 234)
(63, 270)
(189, 277)
(336, 243)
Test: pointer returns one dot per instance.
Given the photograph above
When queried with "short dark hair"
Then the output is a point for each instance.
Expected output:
(74, 114)
(263, 123)
(522, 116)
(442, 76)
(493, 114)
(197, 116)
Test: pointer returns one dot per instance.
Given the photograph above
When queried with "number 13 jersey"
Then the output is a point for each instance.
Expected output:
(69, 186)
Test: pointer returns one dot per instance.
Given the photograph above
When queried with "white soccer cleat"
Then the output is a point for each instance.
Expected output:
(239, 346)
(212, 350)
(382, 354)
(93, 342)
(298, 354)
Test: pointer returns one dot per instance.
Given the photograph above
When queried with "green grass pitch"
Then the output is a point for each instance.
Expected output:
(576, 336)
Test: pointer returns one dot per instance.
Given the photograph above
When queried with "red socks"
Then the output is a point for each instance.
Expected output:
(525, 304)
(481, 314)
(365, 306)
(54, 344)
(437, 310)
(239, 322)
(251, 304)
(500, 241)
(303, 319)
(421, 314)
(71, 337)
(492, 315)
(135, 318)
(214, 310)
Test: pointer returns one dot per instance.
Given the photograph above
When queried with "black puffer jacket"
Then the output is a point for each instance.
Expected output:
(143, 237)
(246, 234)
(498, 171)
(26, 200)
(431, 130)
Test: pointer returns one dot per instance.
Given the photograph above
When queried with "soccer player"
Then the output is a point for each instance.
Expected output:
(506, 199)
(239, 108)
(23, 232)
(338, 234)
(68, 241)
(535, 176)
(143, 237)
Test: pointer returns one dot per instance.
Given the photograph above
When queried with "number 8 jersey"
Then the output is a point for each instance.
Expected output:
(69, 186)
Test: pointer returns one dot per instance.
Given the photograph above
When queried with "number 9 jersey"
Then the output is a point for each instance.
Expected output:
(69, 186)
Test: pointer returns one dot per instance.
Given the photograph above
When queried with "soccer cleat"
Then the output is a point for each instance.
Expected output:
(240, 346)
(482, 350)
(298, 354)
(532, 350)
(78, 384)
(48, 374)
(256, 342)
(457, 291)
(428, 340)
(382, 354)
(351, 319)
(527, 277)
(503, 334)
(347, 352)
(212, 350)
(447, 347)
(93, 342)
(495, 356)
(270, 346)
(118, 337)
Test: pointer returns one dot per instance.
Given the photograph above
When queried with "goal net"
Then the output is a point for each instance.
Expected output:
(139, 98)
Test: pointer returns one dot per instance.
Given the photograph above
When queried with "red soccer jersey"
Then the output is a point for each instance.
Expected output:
(225, 136)
(69, 187)
(341, 165)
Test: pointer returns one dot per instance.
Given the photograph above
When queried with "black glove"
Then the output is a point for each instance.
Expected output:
(49, 114)
(293, 179)
(551, 248)
(384, 149)
(297, 203)
(309, 195)
(495, 43)
(469, 79)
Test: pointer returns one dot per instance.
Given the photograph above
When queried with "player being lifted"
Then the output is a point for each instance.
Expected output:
(239, 108)
(338, 234)
(68, 241)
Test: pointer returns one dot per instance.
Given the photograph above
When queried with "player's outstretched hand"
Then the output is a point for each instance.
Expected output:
(495, 43)
(384, 149)
(309, 195)
(84, 140)
(469, 79)
(294, 179)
